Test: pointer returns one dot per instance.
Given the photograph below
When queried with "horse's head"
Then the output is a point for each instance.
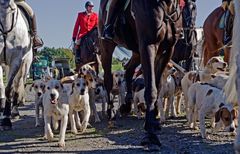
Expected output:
(189, 13)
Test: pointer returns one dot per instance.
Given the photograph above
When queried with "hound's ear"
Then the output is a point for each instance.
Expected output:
(218, 115)
(72, 88)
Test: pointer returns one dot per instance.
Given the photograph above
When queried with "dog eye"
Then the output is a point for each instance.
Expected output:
(84, 84)
(78, 84)
(57, 87)
(36, 86)
(48, 88)
(91, 80)
(116, 75)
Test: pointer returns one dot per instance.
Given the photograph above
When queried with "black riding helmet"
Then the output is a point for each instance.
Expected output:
(89, 3)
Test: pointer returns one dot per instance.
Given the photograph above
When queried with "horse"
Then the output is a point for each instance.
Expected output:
(89, 49)
(232, 87)
(214, 36)
(185, 47)
(150, 29)
(15, 55)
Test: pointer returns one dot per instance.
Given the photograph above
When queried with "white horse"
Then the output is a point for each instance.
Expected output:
(232, 87)
(15, 54)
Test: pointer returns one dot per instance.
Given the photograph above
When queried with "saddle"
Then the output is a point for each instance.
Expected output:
(26, 18)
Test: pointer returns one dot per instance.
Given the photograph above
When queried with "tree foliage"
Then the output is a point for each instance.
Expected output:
(51, 53)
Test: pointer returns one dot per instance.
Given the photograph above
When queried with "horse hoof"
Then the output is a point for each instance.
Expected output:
(15, 116)
(125, 109)
(6, 124)
(152, 148)
(151, 141)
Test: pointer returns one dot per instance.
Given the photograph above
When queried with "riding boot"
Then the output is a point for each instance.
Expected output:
(113, 8)
(37, 41)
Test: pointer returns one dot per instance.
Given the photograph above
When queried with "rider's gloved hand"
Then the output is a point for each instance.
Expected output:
(74, 39)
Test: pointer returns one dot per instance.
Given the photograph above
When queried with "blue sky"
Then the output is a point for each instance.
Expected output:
(56, 18)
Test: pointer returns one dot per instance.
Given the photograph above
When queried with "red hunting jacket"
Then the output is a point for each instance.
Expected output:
(84, 24)
(182, 4)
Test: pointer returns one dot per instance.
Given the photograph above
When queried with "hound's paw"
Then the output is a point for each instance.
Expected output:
(191, 125)
(82, 129)
(50, 137)
(205, 136)
(74, 131)
(61, 144)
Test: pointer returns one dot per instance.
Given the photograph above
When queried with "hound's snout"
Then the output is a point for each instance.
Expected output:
(39, 94)
(82, 91)
(53, 96)
(119, 82)
(225, 64)
(232, 129)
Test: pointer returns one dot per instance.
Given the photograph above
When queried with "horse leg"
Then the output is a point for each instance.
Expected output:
(131, 66)
(2, 91)
(106, 58)
(152, 125)
(14, 68)
(189, 63)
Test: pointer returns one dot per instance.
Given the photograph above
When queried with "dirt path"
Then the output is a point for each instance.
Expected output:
(176, 138)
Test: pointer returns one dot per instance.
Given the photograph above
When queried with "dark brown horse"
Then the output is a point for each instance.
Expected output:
(185, 47)
(89, 49)
(150, 31)
(214, 36)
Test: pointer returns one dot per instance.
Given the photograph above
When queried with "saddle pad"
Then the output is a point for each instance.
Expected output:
(26, 17)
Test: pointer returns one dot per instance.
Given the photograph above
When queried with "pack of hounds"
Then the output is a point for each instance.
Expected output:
(199, 94)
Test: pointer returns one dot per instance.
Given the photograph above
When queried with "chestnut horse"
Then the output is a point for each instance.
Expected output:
(214, 36)
(150, 29)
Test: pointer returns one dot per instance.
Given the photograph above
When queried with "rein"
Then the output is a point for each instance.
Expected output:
(5, 33)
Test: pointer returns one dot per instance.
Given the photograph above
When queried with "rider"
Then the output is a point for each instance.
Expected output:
(37, 41)
(85, 22)
(113, 8)
(227, 5)
(182, 4)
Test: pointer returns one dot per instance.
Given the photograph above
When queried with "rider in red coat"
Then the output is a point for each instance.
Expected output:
(182, 4)
(85, 22)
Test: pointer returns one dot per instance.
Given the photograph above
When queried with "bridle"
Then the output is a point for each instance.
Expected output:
(5, 32)
(169, 16)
